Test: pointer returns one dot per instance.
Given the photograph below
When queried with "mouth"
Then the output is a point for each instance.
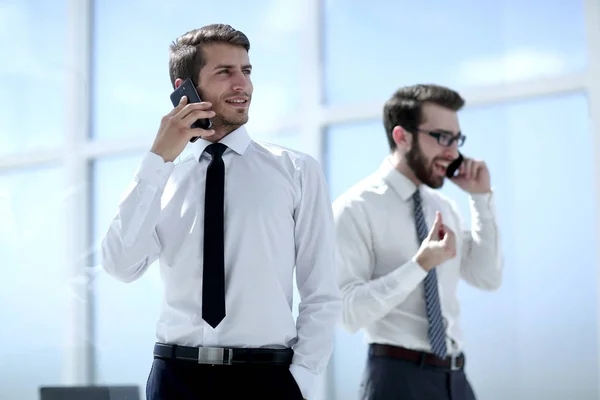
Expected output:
(240, 102)
(440, 167)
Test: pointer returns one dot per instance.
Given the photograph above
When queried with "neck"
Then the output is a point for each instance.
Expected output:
(400, 164)
(221, 132)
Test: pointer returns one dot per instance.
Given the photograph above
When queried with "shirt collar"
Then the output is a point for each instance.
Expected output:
(397, 180)
(237, 141)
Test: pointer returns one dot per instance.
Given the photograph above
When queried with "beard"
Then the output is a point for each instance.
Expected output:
(230, 121)
(226, 118)
(421, 167)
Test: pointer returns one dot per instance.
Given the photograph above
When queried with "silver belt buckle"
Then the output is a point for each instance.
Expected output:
(453, 362)
(214, 356)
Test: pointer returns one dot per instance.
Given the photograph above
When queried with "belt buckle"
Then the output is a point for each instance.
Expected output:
(454, 362)
(214, 356)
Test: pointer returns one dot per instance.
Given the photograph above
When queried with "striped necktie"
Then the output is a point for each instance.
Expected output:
(437, 331)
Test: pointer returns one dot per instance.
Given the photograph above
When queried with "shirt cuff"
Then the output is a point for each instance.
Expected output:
(154, 170)
(304, 378)
(482, 205)
(408, 275)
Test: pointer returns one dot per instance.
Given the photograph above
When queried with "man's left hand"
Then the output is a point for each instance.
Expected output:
(473, 177)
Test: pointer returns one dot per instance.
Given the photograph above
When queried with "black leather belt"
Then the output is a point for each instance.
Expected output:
(223, 356)
(451, 362)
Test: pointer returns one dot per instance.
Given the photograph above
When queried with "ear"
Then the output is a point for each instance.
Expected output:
(178, 82)
(402, 138)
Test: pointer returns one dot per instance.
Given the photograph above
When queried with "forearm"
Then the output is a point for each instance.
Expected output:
(481, 263)
(365, 302)
(317, 318)
(131, 243)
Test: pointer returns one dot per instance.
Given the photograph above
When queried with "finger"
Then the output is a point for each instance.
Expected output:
(467, 166)
(449, 243)
(449, 235)
(182, 102)
(196, 115)
(477, 166)
(447, 230)
(185, 111)
(472, 170)
(462, 168)
(435, 229)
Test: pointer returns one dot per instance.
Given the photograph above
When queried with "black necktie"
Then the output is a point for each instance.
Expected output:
(213, 281)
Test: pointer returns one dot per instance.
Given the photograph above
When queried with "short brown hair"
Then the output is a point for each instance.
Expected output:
(404, 108)
(185, 54)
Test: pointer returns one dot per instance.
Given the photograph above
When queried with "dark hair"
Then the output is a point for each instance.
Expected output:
(404, 108)
(185, 54)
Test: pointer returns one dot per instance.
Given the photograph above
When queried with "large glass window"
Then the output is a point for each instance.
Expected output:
(125, 314)
(373, 47)
(131, 81)
(543, 174)
(32, 74)
(35, 284)
(353, 151)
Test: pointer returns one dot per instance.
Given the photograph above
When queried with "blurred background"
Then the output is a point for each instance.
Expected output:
(83, 85)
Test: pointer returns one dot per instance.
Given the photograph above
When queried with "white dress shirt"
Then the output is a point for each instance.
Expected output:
(382, 285)
(277, 216)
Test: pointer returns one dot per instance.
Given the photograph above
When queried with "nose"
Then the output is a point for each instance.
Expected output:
(239, 82)
(451, 152)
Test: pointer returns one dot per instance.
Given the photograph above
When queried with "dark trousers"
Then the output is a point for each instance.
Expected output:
(186, 380)
(391, 378)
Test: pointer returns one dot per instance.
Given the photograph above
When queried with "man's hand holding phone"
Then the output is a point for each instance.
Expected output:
(175, 130)
(473, 176)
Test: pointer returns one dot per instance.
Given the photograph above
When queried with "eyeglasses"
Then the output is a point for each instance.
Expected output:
(444, 138)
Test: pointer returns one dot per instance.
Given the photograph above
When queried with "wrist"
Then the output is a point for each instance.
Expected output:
(423, 261)
(164, 157)
(486, 190)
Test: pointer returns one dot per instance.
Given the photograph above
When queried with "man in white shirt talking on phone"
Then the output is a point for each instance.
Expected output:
(401, 251)
(230, 226)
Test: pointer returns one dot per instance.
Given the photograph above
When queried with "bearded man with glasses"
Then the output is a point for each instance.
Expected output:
(400, 259)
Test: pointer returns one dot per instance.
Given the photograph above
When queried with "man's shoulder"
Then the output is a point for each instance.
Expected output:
(286, 155)
(365, 193)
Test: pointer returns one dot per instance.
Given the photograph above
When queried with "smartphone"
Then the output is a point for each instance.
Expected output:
(454, 166)
(188, 89)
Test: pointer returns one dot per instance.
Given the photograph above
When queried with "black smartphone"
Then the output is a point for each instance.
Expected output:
(188, 89)
(454, 166)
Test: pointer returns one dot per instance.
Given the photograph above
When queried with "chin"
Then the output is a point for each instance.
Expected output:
(237, 122)
(436, 182)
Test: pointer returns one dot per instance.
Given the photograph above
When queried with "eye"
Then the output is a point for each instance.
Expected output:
(247, 71)
(224, 71)
(444, 137)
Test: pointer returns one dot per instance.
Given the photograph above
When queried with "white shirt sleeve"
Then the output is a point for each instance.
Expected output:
(320, 300)
(366, 300)
(131, 243)
(481, 263)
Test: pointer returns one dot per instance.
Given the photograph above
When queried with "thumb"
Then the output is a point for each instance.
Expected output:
(435, 229)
